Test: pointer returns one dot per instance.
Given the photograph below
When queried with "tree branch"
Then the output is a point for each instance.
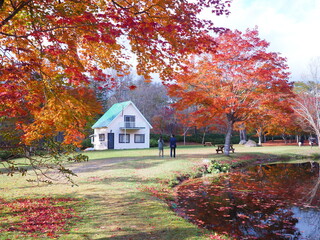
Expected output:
(15, 12)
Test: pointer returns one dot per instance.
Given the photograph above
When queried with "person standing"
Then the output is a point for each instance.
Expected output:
(160, 146)
(173, 145)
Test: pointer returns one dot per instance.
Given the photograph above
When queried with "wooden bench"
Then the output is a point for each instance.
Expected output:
(221, 147)
(208, 144)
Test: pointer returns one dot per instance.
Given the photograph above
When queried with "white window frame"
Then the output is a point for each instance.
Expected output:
(139, 135)
(122, 136)
(102, 137)
(129, 121)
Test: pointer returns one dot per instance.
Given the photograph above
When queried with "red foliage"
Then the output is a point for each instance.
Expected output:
(234, 83)
(132, 87)
(48, 216)
(49, 47)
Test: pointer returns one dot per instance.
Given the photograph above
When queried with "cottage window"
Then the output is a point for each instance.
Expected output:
(129, 121)
(102, 137)
(139, 138)
(124, 138)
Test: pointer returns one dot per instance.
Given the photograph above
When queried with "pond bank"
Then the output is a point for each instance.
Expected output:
(205, 199)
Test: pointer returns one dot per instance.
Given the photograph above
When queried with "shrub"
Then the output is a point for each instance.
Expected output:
(217, 167)
(5, 154)
(86, 143)
(153, 142)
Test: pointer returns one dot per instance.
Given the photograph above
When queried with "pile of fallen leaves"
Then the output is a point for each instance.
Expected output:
(37, 217)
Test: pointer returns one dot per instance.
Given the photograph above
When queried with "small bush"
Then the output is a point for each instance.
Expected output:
(315, 156)
(5, 155)
(153, 142)
(217, 167)
(86, 143)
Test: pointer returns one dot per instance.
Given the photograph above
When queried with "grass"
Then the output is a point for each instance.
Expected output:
(112, 189)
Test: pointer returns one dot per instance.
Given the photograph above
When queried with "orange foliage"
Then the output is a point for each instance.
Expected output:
(52, 50)
(235, 81)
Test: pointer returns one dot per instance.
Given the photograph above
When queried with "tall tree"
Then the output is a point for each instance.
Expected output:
(307, 104)
(149, 97)
(284, 125)
(51, 47)
(277, 121)
(165, 121)
(186, 120)
(235, 80)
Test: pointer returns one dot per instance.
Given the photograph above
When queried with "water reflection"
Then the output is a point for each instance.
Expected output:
(279, 201)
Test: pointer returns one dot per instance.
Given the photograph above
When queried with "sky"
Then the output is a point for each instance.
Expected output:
(292, 27)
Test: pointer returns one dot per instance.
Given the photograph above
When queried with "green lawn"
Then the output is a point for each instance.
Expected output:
(113, 192)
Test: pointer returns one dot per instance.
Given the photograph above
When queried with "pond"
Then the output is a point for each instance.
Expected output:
(277, 201)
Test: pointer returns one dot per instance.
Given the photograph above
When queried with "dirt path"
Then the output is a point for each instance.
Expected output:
(100, 164)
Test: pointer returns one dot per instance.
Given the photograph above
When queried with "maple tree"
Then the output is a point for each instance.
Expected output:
(52, 50)
(284, 125)
(165, 121)
(278, 121)
(186, 120)
(234, 81)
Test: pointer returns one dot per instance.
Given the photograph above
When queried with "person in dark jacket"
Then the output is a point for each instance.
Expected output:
(173, 145)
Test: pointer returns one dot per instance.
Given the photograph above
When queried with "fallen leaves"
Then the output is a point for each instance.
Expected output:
(37, 217)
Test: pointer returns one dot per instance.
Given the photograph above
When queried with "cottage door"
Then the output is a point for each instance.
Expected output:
(110, 140)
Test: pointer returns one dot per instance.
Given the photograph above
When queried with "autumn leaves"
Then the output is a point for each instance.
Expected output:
(237, 82)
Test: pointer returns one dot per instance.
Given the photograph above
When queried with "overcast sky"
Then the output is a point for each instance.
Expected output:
(292, 27)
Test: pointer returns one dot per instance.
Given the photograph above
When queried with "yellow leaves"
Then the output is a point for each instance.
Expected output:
(66, 111)
(50, 47)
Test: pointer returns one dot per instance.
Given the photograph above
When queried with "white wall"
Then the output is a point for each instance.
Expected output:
(115, 125)
(100, 145)
(140, 122)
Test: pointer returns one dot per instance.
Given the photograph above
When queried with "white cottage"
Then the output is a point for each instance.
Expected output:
(121, 127)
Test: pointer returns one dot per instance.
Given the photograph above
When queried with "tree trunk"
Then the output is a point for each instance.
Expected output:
(243, 135)
(228, 138)
(184, 135)
(259, 133)
(260, 140)
(318, 138)
(284, 137)
(203, 137)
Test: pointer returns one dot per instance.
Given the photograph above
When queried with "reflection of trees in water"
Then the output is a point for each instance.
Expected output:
(311, 196)
(253, 203)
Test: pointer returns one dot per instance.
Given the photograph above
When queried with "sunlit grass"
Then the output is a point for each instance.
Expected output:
(112, 187)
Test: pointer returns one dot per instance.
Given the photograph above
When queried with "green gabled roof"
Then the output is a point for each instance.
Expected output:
(111, 114)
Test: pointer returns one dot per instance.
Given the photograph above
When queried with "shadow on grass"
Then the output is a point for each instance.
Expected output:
(132, 162)
(120, 180)
(135, 216)
(165, 234)
(116, 163)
